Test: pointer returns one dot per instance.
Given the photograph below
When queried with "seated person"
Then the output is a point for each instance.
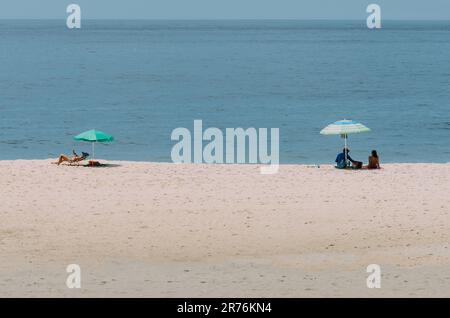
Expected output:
(73, 159)
(374, 161)
(342, 164)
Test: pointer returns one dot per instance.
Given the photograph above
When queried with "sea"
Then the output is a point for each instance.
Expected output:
(138, 80)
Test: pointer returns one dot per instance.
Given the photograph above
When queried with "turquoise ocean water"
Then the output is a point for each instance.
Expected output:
(138, 80)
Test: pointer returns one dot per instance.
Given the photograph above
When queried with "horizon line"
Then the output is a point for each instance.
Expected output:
(223, 19)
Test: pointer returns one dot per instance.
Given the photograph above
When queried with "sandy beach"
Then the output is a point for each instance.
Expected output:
(167, 230)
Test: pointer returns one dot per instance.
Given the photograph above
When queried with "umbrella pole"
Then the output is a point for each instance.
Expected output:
(345, 148)
(93, 150)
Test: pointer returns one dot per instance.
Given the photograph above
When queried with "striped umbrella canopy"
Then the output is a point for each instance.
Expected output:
(344, 128)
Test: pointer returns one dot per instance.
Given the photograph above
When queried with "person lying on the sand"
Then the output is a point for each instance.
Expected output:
(374, 161)
(341, 162)
(75, 158)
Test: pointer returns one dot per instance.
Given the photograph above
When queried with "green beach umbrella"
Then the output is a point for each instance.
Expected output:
(93, 136)
(344, 128)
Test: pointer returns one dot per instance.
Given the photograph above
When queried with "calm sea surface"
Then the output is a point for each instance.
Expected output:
(138, 80)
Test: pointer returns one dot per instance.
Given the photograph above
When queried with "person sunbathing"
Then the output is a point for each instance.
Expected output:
(74, 159)
(374, 161)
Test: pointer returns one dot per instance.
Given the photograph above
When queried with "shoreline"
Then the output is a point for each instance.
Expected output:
(118, 161)
(193, 230)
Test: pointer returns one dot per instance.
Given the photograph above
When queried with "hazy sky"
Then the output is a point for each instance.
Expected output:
(226, 9)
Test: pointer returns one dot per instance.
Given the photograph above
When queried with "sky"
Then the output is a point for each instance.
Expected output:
(226, 9)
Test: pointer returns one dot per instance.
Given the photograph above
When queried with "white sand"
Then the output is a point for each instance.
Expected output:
(166, 230)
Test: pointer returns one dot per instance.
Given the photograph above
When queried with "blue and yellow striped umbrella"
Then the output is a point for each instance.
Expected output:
(344, 128)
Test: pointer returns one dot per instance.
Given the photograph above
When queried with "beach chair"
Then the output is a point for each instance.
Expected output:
(74, 161)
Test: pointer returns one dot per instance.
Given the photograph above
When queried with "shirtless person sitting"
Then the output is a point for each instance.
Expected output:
(374, 161)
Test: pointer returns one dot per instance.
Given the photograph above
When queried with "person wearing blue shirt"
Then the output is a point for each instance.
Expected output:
(340, 160)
